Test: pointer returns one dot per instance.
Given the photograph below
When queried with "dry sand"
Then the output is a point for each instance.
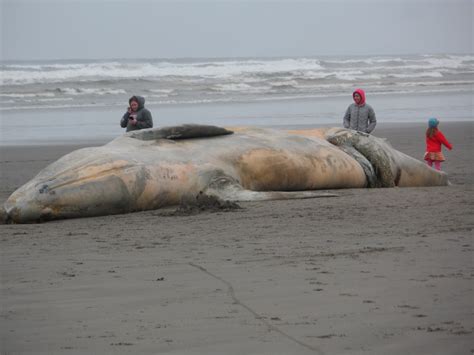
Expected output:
(374, 271)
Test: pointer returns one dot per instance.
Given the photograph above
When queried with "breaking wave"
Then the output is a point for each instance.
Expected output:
(106, 83)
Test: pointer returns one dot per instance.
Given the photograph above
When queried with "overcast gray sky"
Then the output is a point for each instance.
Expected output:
(104, 29)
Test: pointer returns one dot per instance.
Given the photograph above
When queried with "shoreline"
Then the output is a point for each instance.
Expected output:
(97, 141)
(80, 125)
(371, 271)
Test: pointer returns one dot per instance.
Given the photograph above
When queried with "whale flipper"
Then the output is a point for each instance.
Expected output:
(186, 131)
(228, 189)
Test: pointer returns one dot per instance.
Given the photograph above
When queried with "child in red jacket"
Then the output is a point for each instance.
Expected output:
(434, 139)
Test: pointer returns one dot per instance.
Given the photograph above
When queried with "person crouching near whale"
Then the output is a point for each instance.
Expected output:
(360, 116)
(137, 116)
(434, 141)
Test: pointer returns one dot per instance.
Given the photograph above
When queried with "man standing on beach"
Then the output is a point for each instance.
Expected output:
(360, 116)
(137, 116)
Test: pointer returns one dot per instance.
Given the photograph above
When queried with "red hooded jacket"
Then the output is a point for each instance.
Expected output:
(433, 144)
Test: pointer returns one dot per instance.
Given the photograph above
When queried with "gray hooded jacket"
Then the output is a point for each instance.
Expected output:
(144, 119)
(360, 118)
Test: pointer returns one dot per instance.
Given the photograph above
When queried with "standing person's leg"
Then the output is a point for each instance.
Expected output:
(437, 165)
(429, 162)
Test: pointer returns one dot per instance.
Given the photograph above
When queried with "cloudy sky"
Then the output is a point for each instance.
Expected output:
(105, 29)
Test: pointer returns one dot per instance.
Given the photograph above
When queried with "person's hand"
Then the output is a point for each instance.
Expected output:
(134, 121)
(129, 109)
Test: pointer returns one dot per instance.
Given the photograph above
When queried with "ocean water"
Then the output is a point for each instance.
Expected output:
(54, 101)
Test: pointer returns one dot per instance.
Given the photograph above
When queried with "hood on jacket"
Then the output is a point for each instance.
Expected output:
(362, 96)
(139, 99)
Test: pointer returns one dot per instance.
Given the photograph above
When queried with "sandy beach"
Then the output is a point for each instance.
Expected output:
(373, 271)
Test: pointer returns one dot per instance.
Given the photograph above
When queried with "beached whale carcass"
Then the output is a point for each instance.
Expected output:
(153, 168)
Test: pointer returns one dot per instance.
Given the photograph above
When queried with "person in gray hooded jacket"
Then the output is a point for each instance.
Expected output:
(137, 116)
(360, 116)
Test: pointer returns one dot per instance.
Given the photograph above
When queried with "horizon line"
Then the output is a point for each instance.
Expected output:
(232, 57)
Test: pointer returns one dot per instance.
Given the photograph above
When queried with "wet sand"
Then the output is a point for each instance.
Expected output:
(371, 271)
